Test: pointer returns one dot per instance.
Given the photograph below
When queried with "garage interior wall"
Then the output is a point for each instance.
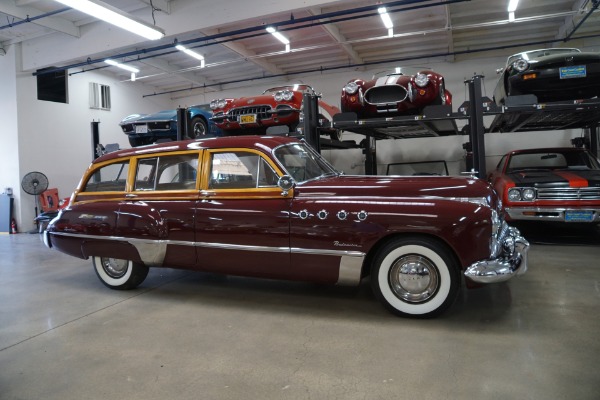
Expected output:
(55, 138)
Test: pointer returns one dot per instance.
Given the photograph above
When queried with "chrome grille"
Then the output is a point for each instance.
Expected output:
(260, 111)
(590, 193)
(385, 94)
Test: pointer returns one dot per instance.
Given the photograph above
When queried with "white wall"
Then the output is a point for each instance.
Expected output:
(55, 138)
(9, 137)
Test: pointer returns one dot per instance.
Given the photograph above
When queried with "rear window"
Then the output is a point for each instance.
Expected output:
(109, 178)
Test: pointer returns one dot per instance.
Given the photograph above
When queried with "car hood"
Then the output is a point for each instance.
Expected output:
(399, 186)
(561, 59)
(263, 99)
(388, 80)
(556, 178)
(167, 115)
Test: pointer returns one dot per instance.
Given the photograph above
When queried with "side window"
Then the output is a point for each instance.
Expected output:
(110, 178)
(501, 163)
(240, 170)
(177, 172)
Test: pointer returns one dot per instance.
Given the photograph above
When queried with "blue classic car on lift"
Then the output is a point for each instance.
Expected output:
(144, 129)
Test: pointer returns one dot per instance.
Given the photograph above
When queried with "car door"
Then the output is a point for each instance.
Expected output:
(158, 212)
(242, 218)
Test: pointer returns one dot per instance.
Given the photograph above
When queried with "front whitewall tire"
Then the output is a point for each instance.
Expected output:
(425, 293)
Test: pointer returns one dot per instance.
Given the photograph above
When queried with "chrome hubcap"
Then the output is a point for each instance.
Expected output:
(414, 278)
(114, 267)
(199, 130)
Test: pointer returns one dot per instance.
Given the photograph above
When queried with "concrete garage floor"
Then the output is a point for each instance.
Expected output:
(186, 335)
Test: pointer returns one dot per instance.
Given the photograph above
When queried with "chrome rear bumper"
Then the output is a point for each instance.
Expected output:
(512, 261)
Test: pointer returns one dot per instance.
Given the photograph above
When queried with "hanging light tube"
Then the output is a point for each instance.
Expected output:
(122, 66)
(387, 21)
(114, 16)
(192, 53)
(512, 7)
(279, 37)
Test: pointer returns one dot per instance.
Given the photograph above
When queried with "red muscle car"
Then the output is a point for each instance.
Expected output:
(394, 94)
(552, 184)
(278, 106)
(272, 207)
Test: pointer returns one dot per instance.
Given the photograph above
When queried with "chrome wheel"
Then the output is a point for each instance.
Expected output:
(414, 278)
(199, 128)
(114, 267)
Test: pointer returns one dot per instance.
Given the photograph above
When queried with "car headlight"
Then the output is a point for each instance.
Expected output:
(351, 87)
(287, 95)
(421, 79)
(528, 194)
(521, 65)
(221, 103)
(514, 195)
(213, 104)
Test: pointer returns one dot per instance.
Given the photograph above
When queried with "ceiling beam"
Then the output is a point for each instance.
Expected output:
(54, 23)
(243, 51)
(174, 70)
(336, 35)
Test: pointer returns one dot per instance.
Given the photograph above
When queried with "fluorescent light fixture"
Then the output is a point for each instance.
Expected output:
(512, 5)
(511, 16)
(278, 35)
(112, 15)
(192, 53)
(122, 66)
(385, 17)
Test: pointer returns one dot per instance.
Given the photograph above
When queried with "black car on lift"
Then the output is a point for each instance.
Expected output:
(555, 74)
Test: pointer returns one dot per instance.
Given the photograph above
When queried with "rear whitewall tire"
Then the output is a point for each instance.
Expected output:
(399, 292)
(119, 274)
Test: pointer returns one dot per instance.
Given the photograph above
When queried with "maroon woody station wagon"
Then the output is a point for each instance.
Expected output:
(272, 207)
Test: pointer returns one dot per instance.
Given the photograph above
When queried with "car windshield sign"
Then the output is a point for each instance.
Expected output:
(302, 163)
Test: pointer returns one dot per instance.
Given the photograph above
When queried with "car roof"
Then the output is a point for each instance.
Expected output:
(264, 143)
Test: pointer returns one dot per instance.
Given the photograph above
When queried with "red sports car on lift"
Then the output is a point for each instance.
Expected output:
(395, 94)
(278, 106)
(553, 184)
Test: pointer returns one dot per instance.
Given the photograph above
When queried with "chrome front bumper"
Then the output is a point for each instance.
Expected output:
(549, 213)
(512, 261)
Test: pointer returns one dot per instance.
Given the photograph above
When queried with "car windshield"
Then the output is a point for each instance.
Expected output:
(572, 160)
(302, 163)
(535, 54)
(399, 71)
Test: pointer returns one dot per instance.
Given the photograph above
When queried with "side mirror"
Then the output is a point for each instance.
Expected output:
(499, 70)
(285, 183)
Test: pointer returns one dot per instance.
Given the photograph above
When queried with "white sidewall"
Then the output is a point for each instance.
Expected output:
(108, 279)
(408, 308)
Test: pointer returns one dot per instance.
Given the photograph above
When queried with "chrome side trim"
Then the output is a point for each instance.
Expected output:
(350, 270)
(152, 252)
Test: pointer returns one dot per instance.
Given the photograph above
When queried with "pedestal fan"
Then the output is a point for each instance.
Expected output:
(35, 183)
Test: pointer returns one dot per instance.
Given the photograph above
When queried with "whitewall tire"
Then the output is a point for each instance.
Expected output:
(119, 274)
(415, 277)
